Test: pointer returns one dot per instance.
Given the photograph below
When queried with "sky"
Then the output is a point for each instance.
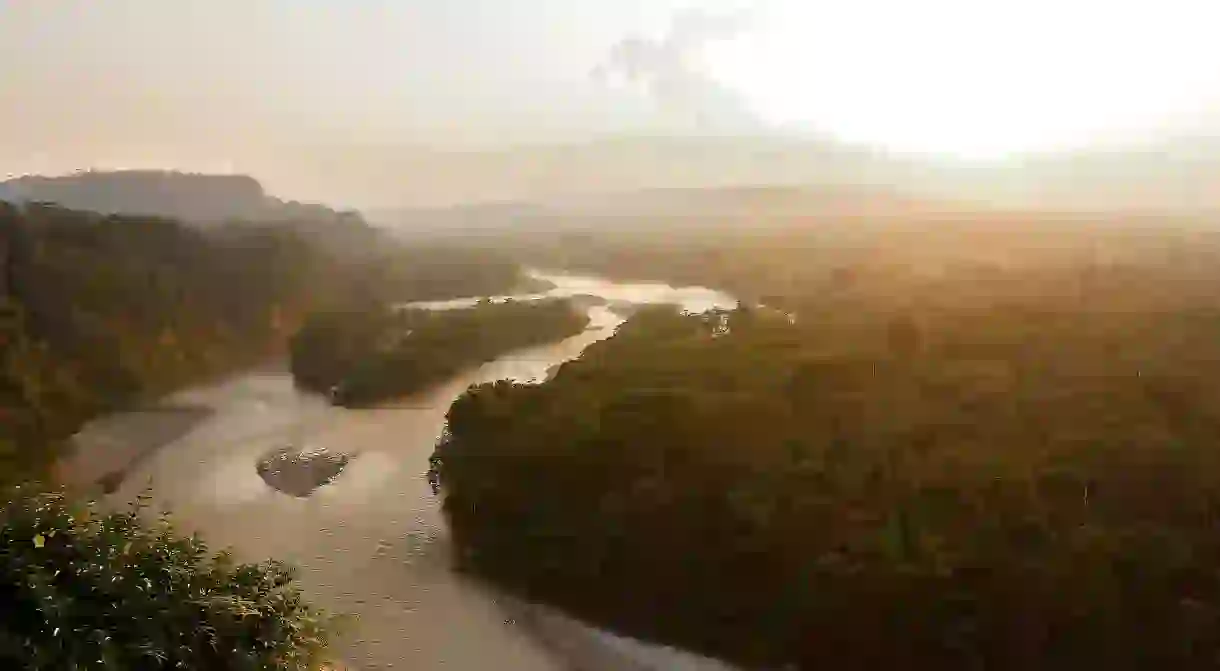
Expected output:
(244, 85)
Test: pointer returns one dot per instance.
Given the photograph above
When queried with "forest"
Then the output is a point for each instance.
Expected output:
(102, 312)
(988, 451)
(781, 260)
(361, 357)
(98, 312)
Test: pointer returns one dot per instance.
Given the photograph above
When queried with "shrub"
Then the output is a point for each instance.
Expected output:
(82, 589)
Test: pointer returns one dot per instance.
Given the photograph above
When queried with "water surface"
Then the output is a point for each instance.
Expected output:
(372, 543)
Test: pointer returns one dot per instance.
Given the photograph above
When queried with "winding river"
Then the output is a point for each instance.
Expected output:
(372, 544)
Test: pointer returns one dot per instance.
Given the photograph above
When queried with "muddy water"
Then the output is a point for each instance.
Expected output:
(372, 544)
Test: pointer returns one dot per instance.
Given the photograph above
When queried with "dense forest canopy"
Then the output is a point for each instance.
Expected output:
(1004, 459)
(928, 442)
(361, 357)
(787, 258)
(97, 311)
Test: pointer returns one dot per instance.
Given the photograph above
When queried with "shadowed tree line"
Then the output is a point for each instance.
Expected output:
(1001, 465)
(362, 357)
(98, 312)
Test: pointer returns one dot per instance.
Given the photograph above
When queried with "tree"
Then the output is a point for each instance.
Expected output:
(84, 589)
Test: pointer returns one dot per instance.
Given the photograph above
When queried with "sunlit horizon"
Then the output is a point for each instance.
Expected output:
(976, 80)
(425, 104)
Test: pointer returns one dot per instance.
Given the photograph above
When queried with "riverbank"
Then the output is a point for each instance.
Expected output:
(106, 450)
(583, 647)
(386, 568)
(372, 544)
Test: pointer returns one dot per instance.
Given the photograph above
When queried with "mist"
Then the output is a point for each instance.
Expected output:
(383, 105)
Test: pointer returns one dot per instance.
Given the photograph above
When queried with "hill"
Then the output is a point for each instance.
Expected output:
(1167, 176)
(101, 311)
(1005, 464)
(195, 198)
(662, 209)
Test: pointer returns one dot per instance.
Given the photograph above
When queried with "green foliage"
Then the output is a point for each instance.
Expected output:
(913, 474)
(97, 312)
(438, 272)
(88, 590)
(366, 356)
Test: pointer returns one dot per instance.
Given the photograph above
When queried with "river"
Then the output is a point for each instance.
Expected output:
(372, 544)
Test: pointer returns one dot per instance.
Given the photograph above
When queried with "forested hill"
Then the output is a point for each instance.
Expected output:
(98, 311)
(196, 198)
(918, 475)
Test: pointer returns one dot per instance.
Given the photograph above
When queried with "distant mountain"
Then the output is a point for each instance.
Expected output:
(745, 201)
(195, 198)
(7, 194)
(422, 188)
(662, 209)
(412, 177)
(1178, 176)
(1171, 176)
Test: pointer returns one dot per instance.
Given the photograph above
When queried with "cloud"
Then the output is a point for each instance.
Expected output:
(668, 69)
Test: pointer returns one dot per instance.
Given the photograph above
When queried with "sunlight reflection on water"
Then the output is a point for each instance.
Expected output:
(372, 544)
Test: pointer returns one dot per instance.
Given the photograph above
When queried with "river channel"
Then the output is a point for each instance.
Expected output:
(372, 544)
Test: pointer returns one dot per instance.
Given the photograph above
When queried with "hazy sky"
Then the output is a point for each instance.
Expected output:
(224, 84)
(121, 79)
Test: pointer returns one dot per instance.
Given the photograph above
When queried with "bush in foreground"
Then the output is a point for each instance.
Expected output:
(88, 590)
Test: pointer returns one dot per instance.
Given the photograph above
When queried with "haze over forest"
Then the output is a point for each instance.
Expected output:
(609, 334)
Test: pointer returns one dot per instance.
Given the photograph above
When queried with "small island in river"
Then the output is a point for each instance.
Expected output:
(300, 472)
(359, 358)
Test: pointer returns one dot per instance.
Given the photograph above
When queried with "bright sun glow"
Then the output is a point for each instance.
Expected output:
(976, 78)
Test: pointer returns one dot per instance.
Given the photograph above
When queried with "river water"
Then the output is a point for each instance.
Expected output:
(372, 544)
